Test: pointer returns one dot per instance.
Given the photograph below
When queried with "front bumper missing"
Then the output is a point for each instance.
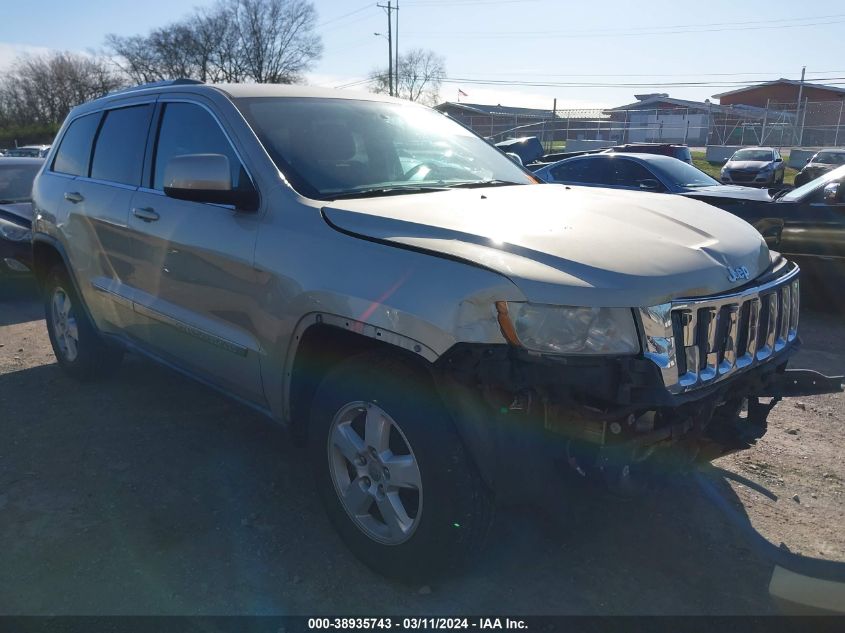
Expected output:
(606, 417)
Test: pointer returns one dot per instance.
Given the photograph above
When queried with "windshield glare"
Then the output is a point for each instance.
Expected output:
(685, 175)
(829, 158)
(753, 154)
(333, 147)
(799, 192)
(16, 182)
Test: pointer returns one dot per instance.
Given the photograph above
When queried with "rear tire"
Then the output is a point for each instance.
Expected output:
(394, 477)
(79, 349)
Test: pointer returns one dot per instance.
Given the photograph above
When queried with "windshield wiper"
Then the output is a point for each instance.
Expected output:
(385, 191)
(484, 183)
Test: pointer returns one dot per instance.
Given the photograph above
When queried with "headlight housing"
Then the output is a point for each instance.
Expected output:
(551, 329)
(14, 233)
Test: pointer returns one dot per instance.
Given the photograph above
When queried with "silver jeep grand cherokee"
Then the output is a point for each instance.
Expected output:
(433, 325)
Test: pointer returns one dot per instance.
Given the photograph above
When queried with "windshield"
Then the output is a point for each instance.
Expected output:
(829, 158)
(683, 174)
(753, 154)
(798, 193)
(329, 148)
(16, 182)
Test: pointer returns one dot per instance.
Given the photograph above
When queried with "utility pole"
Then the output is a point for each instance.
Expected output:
(396, 50)
(798, 106)
(389, 8)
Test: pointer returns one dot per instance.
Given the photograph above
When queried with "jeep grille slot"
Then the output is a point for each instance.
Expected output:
(700, 341)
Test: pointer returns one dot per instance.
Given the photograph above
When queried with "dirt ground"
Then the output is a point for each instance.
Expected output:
(150, 494)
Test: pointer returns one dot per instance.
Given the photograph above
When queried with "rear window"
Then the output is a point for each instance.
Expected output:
(75, 151)
(119, 151)
(682, 153)
(16, 181)
(588, 171)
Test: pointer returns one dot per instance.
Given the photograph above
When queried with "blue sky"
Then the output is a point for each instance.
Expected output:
(543, 41)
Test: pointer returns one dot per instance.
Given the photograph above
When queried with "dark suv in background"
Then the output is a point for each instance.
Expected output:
(681, 152)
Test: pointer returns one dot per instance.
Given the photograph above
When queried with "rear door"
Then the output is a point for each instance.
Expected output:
(193, 283)
(100, 175)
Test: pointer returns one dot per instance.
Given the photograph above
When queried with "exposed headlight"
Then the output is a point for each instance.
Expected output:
(14, 233)
(551, 329)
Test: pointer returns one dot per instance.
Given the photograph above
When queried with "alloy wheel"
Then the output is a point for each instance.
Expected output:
(375, 472)
(65, 327)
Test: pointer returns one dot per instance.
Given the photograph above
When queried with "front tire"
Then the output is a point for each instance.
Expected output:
(395, 479)
(79, 350)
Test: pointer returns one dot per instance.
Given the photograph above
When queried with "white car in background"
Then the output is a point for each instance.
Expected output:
(28, 151)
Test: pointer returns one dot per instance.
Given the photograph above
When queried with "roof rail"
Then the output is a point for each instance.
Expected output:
(159, 84)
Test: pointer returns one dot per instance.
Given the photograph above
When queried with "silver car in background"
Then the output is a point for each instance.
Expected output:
(754, 166)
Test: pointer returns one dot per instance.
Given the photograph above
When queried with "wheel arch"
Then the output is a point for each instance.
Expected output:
(48, 252)
(320, 342)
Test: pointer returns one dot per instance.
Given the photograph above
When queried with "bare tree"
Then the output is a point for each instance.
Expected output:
(421, 73)
(43, 89)
(266, 41)
(277, 38)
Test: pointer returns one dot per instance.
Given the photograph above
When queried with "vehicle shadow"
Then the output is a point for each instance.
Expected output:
(150, 494)
(19, 300)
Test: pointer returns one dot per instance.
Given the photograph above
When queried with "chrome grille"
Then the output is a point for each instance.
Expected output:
(700, 341)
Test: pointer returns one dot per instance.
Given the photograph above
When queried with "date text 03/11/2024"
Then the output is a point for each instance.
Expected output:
(425, 623)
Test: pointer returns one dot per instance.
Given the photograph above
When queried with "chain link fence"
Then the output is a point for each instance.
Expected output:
(783, 125)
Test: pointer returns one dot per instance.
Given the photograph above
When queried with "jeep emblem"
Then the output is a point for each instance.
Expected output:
(740, 272)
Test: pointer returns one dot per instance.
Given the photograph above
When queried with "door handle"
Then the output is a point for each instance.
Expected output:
(145, 213)
(73, 196)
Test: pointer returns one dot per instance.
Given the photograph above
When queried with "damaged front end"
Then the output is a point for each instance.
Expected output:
(711, 371)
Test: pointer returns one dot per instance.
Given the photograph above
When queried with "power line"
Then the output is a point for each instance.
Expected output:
(688, 29)
(465, 3)
(346, 15)
(792, 19)
(687, 74)
(833, 81)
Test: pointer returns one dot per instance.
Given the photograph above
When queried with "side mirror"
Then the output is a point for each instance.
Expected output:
(831, 193)
(807, 162)
(205, 178)
(778, 160)
(650, 184)
(514, 157)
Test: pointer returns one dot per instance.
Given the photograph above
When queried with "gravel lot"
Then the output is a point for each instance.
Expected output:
(150, 494)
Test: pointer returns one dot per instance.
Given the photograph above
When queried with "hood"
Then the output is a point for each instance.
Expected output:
(20, 212)
(729, 191)
(748, 165)
(818, 168)
(569, 245)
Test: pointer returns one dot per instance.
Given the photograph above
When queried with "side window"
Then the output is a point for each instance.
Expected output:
(586, 171)
(119, 149)
(627, 173)
(75, 150)
(187, 128)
